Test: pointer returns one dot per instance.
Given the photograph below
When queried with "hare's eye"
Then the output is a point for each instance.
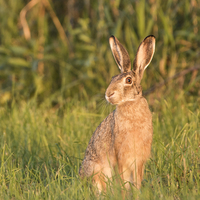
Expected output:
(128, 80)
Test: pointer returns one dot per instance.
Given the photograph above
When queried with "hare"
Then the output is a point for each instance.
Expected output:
(122, 142)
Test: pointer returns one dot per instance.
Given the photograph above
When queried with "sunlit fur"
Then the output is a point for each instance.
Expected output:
(122, 142)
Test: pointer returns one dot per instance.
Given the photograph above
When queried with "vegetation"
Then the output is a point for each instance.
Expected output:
(53, 75)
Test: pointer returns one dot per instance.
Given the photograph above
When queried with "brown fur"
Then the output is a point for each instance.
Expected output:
(123, 140)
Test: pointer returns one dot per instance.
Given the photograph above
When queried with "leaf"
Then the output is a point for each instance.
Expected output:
(85, 38)
(18, 50)
(3, 50)
(140, 11)
(18, 62)
(118, 28)
(87, 47)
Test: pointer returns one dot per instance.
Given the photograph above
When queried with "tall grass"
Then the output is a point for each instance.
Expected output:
(41, 150)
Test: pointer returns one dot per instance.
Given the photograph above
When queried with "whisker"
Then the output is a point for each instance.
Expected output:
(101, 105)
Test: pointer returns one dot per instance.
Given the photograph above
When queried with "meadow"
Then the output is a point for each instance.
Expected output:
(41, 151)
(52, 85)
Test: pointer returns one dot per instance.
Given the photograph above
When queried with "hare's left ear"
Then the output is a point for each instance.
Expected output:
(144, 56)
(120, 54)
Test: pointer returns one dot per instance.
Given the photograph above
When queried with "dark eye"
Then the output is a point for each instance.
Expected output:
(128, 80)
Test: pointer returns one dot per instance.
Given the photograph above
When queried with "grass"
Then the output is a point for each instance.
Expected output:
(41, 150)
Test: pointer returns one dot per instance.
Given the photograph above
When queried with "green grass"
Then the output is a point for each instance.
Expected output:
(42, 148)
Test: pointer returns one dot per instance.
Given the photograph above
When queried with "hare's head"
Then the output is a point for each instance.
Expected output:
(126, 86)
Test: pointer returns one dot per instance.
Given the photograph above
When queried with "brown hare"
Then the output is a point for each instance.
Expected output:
(122, 142)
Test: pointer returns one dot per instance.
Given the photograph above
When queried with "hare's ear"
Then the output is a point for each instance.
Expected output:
(120, 54)
(144, 56)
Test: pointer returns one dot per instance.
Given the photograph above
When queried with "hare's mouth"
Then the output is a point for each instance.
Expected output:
(109, 96)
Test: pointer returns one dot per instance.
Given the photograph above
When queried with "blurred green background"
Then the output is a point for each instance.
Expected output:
(59, 49)
(55, 65)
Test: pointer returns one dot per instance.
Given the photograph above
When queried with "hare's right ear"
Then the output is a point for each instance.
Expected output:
(120, 54)
(144, 56)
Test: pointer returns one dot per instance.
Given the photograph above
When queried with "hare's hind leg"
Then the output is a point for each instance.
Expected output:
(97, 182)
(101, 177)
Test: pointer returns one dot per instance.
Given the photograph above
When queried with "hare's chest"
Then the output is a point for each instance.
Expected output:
(128, 131)
(122, 132)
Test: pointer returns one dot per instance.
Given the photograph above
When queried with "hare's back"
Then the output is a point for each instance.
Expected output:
(99, 147)
(101, 139)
